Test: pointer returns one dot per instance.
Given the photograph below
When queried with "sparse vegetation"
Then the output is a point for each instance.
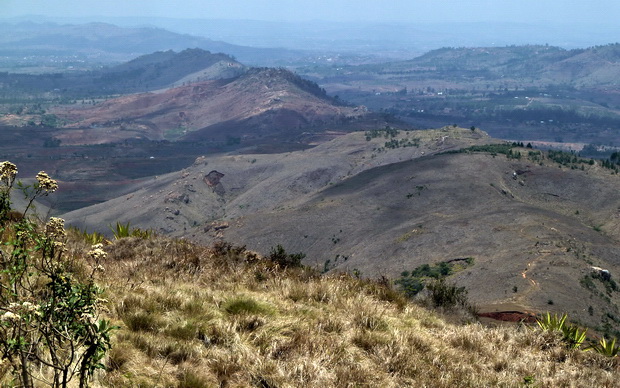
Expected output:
(411, 283)
(125, 230)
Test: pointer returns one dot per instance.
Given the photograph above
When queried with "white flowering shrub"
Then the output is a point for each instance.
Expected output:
(50, 331)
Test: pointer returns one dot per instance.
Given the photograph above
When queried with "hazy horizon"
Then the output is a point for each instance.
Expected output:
(400, 29)
(526, 11)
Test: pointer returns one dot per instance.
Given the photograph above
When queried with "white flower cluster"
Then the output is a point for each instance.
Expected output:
(24, 308)
(97, 253)
(9, 316)
(55, 228)
(8, 171)
(46, 183)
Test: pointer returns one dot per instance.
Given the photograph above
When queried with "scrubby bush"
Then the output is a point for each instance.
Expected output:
(447, 295)
(279, 256)
(50, 331)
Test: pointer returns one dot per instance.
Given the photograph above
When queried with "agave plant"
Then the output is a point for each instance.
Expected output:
(571, 334)
(121, 231)
(551, 323)
(609, 349)
(142, 233)
(574, 336)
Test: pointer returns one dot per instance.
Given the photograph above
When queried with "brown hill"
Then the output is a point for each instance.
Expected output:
(258, 104)
(533, 230)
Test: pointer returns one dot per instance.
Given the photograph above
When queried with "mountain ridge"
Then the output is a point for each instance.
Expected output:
(261, 102)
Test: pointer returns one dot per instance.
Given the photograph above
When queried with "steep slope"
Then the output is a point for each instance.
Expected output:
(533, 238)
(533, 229)
(166, 312)
(260, 103)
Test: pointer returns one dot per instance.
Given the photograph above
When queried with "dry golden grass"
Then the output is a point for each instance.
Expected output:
(192, 316)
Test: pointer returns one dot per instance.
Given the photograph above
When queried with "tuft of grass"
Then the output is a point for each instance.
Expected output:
(142, 321)
(244, 305)
(190, 378)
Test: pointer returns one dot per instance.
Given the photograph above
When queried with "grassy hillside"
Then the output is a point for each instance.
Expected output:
(192, 316)
(196, 317)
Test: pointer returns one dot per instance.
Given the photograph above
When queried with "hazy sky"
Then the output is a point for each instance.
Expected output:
(570, 11)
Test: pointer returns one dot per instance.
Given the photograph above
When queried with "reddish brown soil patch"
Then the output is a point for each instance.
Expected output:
(510, 316)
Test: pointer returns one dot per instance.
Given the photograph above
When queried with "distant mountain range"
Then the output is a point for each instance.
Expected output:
(28, 43)
(390, 39)
(539, 65)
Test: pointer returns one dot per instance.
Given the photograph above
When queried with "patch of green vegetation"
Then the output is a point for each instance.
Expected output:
(572, 335)
(613, 163)
(413, 282)
(492, 149)
(606, 348)
(125, 230)
(568, 159)
(387, 132)
(402, 143)
(279, 256)
(587, 283)
(175, 133)
(91, 238)
(50, 120)
(410, 286)
(446, 295)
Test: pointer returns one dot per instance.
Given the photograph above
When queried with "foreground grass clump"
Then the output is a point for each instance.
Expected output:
(193, 316)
